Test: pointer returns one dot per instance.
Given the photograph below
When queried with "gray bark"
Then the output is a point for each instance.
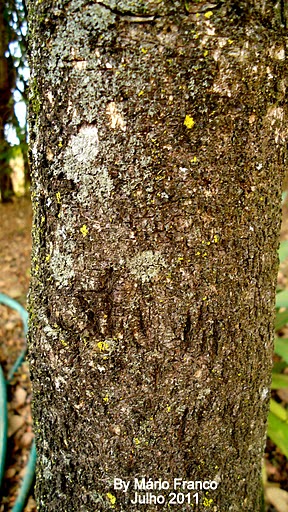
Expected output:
(157, 136)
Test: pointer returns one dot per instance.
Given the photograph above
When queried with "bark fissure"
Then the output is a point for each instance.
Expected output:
(129, 15)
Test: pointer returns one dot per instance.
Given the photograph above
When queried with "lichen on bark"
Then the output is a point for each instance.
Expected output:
(158, 156)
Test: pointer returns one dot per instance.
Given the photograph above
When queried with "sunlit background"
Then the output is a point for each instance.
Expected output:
(14, 75)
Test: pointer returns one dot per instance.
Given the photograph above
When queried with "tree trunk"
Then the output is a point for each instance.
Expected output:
(6, 107)
(157, 135)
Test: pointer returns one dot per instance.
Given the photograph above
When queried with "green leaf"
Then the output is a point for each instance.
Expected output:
(283, 251)
(278, 410)
(281, 320)
(279, 366)
(278, 432)
(281, 348)
(282, 299)
(279, 381)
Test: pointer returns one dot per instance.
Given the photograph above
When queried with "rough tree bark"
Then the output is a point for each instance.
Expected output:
(157, 135)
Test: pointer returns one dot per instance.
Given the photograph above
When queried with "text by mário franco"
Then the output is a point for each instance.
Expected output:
(144, 491)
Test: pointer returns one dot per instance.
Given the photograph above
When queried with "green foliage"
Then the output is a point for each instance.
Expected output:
(283, 251)
(278, 426)
(278, 415)
(13, 69)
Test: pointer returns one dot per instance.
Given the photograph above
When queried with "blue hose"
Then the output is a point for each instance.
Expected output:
(27, 481)
(30, 469)
(13, 304)
(3, 423)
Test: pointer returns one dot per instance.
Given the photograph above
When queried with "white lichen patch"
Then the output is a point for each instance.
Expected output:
(222, 88)
(80, 166)
(203, 393)
(146, 265)
(62, 265)
(275, 117)
(50, 97)
(115, 118)
(278, 53)
(76, 31)
(47, 473)
(105, 184)
(80, 65)
(98, 184)
(264, 393)
(274, 114)
(84, 146)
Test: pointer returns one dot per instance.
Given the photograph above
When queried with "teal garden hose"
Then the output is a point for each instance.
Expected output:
(30, 468)
(3, 423)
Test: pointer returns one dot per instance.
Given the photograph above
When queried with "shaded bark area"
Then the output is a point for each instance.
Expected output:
(158, 155)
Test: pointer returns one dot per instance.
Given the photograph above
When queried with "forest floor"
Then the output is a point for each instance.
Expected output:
(15, 248)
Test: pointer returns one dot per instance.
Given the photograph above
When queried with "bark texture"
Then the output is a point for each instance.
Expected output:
(157, 135)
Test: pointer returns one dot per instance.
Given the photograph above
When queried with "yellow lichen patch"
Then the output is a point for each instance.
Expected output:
(207, 503)
(208, 14)
(111, 498)
(189, 121)
(84, 230)
(103, 345)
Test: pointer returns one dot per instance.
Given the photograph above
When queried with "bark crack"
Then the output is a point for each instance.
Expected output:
(129, 15)
(283, 13)
(202, 7)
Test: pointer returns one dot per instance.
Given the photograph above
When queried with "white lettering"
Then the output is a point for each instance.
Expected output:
(139, 484)
(157, 483)
(121, 485)
(147, 498)
(177, 483)
(149, 484)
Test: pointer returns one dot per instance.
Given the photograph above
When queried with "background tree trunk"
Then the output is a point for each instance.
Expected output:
(7, 82)
(157, 134)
